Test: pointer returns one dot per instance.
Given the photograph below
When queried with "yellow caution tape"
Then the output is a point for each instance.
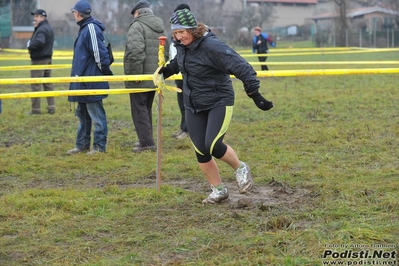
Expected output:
(37, 67)
(61, 66)
(270, 73)
(326, 63)
(40, 94)
(159, 81)
(322, 53)
(321, 72)
(289, 49)
(115, 78)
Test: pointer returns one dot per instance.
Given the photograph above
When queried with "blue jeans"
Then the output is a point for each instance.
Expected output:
(88, 113)
(1, 109)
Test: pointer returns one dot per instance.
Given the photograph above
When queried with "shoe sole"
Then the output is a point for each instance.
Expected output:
(209, 201)
(246, 188)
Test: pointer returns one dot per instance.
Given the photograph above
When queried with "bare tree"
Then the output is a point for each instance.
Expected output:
(342, 23)
(394, 5)
(258, 16)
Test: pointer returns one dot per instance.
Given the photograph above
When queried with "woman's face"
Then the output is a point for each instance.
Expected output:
(184, 36)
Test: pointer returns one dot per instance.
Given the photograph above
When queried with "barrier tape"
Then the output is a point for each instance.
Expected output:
(321, 52)
(325, 72)
(61, 66)
(40, 67)
(42, 94)
(325, 63)
(261, 74)
(115, 78)
(288, 49)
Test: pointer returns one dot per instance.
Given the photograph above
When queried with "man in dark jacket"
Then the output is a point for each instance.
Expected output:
(40, 48)
(141, 57)
(90, 58)
(259, 44)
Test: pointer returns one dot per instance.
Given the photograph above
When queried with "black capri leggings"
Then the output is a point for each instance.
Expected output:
(207, 129)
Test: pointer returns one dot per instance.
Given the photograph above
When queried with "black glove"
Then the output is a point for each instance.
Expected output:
(261, 102)
(165, 71)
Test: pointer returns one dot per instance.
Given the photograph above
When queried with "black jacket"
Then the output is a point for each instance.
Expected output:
(41, 42)
(206, 65)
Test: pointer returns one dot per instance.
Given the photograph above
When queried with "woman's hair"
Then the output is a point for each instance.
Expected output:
(199, 31)
(196, 32)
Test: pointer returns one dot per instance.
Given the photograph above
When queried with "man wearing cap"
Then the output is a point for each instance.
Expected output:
(90, 58)
(141, 57)
(40, 47)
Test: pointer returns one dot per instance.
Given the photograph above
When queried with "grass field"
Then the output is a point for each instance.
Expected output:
(324, 159)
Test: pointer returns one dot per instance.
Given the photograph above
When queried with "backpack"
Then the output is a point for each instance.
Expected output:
(109, 49)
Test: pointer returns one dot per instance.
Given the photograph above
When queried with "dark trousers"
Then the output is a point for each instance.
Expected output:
(263, 59)
(183, 126)
(37, 87)
(141, 110)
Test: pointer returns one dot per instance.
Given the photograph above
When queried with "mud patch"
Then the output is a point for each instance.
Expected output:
(264, 197)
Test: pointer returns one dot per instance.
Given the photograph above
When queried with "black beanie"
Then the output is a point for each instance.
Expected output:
(181, 7)
(140, 4)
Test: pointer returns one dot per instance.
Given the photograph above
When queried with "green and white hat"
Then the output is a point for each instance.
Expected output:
(183, 19)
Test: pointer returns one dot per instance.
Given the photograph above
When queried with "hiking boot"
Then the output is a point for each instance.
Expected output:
(74, 151)
(244, 179)
(182, 135)
(141, 149)
(216, 196)
(51, 111)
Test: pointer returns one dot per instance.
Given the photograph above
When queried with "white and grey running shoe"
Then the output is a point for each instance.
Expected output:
(216, 196)
(244, 178)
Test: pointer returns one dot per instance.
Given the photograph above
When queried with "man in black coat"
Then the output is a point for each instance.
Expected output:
(40, 48)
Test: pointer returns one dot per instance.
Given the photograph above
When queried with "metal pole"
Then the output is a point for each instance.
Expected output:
(161, 62)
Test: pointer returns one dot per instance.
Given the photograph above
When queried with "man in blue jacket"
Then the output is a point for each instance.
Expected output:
(259, 45)
(90, 58)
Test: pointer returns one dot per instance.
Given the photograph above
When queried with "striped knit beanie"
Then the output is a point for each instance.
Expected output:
(183, 19)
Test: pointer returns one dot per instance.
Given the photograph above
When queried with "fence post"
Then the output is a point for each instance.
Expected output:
(161, 62)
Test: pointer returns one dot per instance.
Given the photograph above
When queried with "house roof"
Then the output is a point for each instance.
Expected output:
(353, 13)
(285, 1)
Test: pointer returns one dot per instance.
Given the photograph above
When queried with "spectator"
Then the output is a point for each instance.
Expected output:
(183, 132)
(206, 64)
(90, 58)
(259, 44)
(141, 57)
(40, 47)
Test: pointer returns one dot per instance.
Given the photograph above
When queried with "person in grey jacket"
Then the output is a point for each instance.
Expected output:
(40, 47)
(141, 57)
(206, 64)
